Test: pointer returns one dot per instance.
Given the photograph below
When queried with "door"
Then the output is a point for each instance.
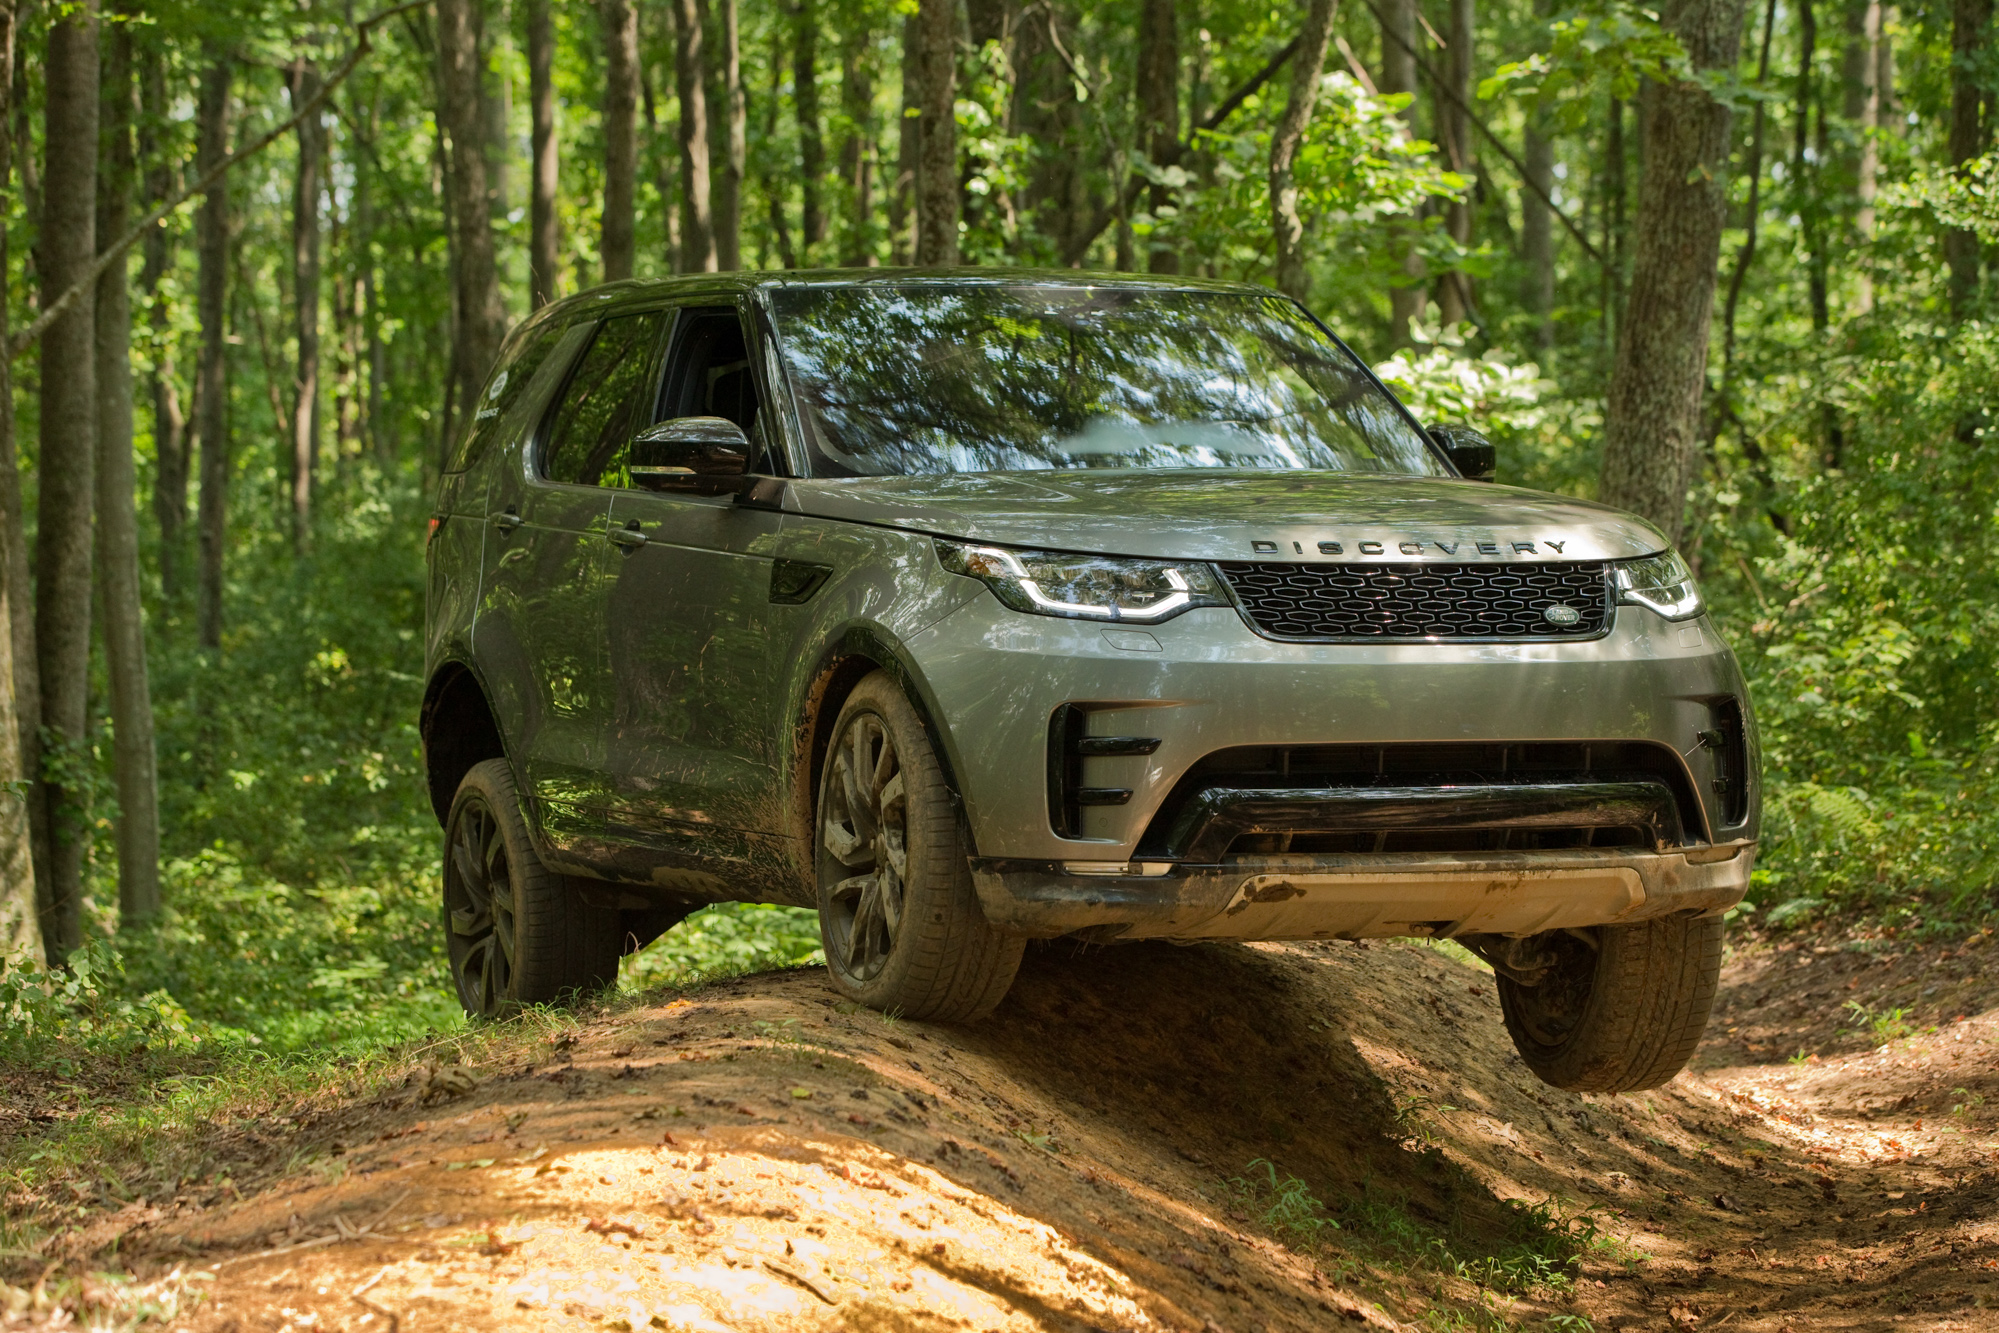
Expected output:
(541, 630)
(692, 737)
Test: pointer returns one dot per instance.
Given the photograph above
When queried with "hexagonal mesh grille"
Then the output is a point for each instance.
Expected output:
(1411, 601)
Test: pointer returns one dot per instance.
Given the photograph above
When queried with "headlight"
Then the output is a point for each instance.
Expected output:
(1661, 582)
(1085, 587)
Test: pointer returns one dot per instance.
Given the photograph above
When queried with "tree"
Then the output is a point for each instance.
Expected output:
(134, 765)
(170, 438)
(544, 244)
(1970, 25)
(1286, 226)
(1398, 76)
(67, 465)
(20, 696)
(938, 206)
(211, 388)
(1652, 427)
(697, 219)
(727, 183)
(1159, 112)
(480, 321)
(857, 148)
(303, 83)
(621, 137)
(1454, 130)
(805, 103)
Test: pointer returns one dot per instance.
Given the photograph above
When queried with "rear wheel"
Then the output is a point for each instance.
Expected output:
(516, 932)
(1614, 1009)
(897, 912)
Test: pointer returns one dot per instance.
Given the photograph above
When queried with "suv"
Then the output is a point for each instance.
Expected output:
(976, 607)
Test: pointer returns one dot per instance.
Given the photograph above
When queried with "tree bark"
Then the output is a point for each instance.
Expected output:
(1537, 233)
(20, 694)
(857, 150)
(938, 205)
(67, 465)
(621, 137)
(134, 765)
(1867, 122)
(1969, 21)
(1286, 226)
(909, 142)
(1454, 292)
(211, 390)
(1398, 75)
(811, 146)
(304, 85)
(690, 67)
(544, 241)
(170, 441)
(1159, 113)
(480, 321)
(1652, 427)
(726, 183)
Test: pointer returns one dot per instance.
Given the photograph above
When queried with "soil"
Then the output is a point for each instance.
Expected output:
(1142, 1138)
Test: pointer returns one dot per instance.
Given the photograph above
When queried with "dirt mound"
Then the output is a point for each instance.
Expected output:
(1222, 1137)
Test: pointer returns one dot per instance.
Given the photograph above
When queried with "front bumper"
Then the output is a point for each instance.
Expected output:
(994, 680)
(1362, 896)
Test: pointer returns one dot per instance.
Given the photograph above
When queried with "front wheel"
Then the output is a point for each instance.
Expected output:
(1615, 1009)
(900, 920)
(517, 933)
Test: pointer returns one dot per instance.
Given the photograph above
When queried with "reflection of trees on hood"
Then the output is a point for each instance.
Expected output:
(939, 378)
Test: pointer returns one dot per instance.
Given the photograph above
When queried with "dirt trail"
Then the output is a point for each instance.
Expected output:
(761, 1157)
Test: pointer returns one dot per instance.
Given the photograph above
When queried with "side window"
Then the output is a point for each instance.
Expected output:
(502, 395)
(709, 374)
(602, 405)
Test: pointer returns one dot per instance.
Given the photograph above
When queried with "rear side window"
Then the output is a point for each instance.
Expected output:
(502, 395)
(604, 402)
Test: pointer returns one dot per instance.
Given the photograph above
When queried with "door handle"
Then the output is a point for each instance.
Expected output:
(629, 538)
(507, 522)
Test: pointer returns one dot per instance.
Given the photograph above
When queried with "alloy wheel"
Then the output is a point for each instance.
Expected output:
(864, 829)
(479, 906)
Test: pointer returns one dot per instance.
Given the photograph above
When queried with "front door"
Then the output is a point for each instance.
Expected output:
(693, 737)
(541, 630)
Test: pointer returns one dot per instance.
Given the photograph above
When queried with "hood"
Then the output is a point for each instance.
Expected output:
(1221, 515)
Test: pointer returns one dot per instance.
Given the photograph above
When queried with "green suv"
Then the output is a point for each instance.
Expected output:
(975, 607)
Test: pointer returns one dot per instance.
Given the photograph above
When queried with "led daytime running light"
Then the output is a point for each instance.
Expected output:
(1159, 610)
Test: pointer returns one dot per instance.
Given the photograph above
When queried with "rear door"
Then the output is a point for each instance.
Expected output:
(693, 735)
(541, 631)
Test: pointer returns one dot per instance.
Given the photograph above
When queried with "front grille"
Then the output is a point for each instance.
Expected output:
(1353, 601)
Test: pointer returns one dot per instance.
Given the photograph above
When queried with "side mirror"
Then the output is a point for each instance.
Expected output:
(1470, 452)
(699, 455)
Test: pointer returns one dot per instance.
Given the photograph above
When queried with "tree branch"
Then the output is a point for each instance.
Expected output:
(54, 310)
(1519, 169)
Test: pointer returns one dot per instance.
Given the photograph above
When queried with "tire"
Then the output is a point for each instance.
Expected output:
(516, 932)
(1617, 1009)
(900, 920)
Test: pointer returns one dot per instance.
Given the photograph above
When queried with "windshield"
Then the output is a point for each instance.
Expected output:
(897, 380)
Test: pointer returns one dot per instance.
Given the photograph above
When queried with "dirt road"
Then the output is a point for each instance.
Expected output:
(1215, 1138)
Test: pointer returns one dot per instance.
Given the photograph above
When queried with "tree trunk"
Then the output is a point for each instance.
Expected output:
(304, 85)
(1652, 427)
(544, 243)
(857, 150)
(811, 148)
(1867, 122)
(902, 240)
(496, 108)
(480, 321)
(1398, 75)
(1286, 226)
(621, 137)
(211, 390)
(1969, 21)
(690, 68)
(134, 765)
(1454, 292)
(726, 185)
(170, 441)
(68, 448)
(22, 888)
(938, 206)
(1159, 114)
(1537, 233)
(1805, 167)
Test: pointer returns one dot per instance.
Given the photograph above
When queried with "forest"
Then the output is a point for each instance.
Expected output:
(1725, 265)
